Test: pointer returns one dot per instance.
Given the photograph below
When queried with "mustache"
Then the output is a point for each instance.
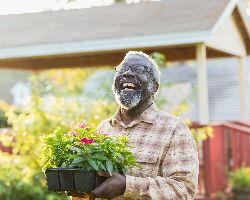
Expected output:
(117, 84)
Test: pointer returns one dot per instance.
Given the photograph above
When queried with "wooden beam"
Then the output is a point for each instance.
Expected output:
(95, 59)
(202, 83)
(242, 88)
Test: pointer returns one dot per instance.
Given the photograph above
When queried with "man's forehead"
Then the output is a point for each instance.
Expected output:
(136, 60)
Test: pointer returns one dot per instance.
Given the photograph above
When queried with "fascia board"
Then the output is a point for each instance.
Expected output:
(112, 44)
(242, 11)
(227, 12)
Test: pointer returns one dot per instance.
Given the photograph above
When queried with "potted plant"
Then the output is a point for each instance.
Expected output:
(70, 160)
(240, 183)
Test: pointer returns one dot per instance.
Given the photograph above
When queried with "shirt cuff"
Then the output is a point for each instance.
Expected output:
(136, 185)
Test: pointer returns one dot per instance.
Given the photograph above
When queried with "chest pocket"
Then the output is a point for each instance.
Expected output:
(148, 164)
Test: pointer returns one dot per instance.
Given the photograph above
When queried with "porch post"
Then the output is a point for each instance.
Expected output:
(202, 83)
(242, 87)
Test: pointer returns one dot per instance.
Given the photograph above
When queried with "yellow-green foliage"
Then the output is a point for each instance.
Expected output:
(202, 133)
(3, 109)
(240, 179)
(18, 181)
(39, 118)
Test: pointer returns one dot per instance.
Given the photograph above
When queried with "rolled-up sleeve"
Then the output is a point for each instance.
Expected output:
(178, 174)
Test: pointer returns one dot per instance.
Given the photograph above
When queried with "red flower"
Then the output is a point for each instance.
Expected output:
(87, 141)
(91, 141)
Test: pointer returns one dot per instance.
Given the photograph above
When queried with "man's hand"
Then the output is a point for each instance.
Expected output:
(112, 187)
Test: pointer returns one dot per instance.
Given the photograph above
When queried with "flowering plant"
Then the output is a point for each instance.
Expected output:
(86, 148)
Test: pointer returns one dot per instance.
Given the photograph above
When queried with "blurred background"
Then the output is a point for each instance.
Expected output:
(57, 60)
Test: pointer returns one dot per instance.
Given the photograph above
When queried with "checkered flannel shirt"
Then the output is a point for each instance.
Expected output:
(166, 152)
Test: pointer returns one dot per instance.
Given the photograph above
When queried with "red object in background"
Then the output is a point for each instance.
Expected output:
(4, 148)
(227, 150)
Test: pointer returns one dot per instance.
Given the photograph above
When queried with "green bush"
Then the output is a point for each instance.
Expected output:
(240, 179)
(19, 181)
(3, 119)
(22, 190)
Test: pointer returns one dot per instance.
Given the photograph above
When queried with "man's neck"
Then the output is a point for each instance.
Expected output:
(128, 116)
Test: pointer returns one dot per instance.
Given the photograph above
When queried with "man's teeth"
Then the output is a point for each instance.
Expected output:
(128, 85)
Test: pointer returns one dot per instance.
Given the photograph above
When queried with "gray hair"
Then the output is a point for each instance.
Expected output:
(149, 62)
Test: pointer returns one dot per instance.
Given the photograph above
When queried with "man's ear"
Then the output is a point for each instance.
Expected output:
(156, 87)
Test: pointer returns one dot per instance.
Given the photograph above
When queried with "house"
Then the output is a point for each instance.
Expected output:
(223, 88)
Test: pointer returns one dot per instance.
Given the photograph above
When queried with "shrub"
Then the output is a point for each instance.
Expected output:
(19, 181)
(3, 119)
(240, 179)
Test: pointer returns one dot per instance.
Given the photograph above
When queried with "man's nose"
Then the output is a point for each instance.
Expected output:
(128, 74)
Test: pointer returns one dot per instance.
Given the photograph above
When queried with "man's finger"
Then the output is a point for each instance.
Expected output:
(99, 191)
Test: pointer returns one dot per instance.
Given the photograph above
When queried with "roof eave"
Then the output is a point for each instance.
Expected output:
(106, 45)
(245, 18)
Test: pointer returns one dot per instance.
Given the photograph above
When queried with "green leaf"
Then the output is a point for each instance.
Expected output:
(93, 164)
(64, 164)
(100, 157)
(109, 167)
(75, 149)
(77, 160)
(102, 167)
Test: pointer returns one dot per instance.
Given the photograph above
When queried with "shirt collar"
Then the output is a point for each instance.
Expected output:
(147, 116)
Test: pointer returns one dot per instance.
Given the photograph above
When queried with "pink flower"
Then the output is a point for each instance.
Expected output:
(74, 132)
(87, 141)
(100, 132)
(82, 125)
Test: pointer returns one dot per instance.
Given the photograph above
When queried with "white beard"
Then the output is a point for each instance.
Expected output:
(125, 102)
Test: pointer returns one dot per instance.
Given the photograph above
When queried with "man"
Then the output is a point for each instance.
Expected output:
(163, 144)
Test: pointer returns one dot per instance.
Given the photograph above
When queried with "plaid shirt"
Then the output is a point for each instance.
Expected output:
(166, 152)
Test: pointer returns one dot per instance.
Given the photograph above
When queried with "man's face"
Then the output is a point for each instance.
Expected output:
(133, 82)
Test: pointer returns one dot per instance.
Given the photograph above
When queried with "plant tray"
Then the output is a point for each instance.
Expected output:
(72, 179)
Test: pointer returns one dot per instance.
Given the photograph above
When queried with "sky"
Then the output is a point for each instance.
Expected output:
(30, 6)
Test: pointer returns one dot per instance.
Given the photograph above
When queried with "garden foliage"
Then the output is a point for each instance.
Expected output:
(240, 179)
(3, 118)
(56, 100)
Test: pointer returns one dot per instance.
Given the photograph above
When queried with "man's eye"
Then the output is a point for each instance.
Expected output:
(119, 71)
(139, 71)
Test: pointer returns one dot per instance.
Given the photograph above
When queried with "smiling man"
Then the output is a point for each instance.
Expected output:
(163, 144)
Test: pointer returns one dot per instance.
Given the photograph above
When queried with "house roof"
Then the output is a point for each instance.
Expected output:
(102, 35)
(117, 21)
